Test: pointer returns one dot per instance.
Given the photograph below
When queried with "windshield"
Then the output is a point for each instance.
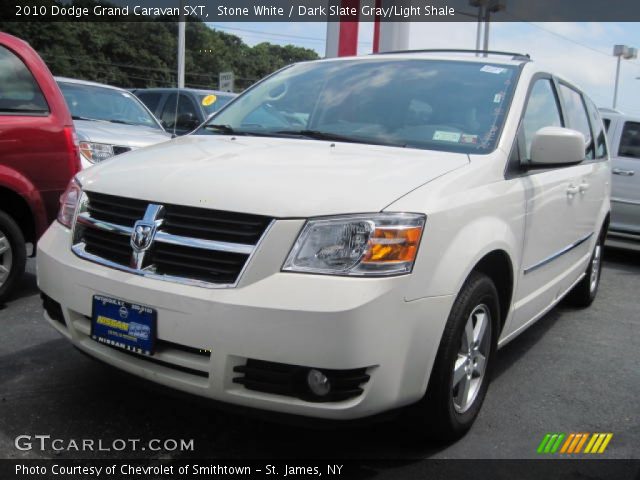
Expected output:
(430, 104)
(213, 106)
(89, 102)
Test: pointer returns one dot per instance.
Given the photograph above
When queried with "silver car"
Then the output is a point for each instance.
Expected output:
(109, 120)
(624, 138)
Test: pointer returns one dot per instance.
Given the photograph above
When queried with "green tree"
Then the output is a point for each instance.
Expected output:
(143, 54)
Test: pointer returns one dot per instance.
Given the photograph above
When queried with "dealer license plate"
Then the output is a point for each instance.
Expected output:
(123, 325)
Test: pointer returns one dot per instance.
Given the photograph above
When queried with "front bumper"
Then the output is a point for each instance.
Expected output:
(298, 319)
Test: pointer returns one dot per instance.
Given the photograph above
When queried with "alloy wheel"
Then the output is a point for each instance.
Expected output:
(6, 258)
(595, 268)
(470, 366)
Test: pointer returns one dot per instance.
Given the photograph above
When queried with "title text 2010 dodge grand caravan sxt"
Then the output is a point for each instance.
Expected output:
(346, 237)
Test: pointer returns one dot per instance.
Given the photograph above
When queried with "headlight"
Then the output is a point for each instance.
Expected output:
(69, 202)
(96, 152)
(377, 244)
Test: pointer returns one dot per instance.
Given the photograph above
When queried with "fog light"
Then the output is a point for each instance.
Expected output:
(318, 383)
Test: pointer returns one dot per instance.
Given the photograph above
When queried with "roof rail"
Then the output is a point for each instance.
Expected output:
(515, 56)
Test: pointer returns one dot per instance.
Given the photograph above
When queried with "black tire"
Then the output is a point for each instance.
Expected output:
(18, 251)
(437, 416)
(584, 293)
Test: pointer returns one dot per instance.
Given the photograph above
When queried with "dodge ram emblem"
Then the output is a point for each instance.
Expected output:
(142, 235)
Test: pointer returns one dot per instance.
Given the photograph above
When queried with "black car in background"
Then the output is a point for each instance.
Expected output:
(181, 110)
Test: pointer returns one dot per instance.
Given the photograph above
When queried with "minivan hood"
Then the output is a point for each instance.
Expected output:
(134, 136)
(278, 177)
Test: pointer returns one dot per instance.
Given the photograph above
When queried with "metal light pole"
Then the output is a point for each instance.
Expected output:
(626, 52)
(485, 9)
(493, 7)
(487, 26)
(480, 4)
(181, 46)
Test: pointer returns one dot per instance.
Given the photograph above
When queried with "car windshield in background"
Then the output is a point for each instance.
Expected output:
(212, 107)
(90, 102)
(430, 104)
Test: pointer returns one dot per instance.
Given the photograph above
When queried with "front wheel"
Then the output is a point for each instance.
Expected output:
(13, 255)
(462, 370)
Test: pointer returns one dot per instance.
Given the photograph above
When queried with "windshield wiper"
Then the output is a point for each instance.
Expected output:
(222, 128)
(315, 134)
(229, 130)
(319, 135)
(78, 117)
(122, 122)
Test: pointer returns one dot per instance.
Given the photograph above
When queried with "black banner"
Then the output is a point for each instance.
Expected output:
(591, 469)
(319, 10)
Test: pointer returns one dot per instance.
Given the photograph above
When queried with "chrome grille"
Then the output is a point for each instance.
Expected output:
(122, 211)
(219, 267)
(189, 244)
(214, 225)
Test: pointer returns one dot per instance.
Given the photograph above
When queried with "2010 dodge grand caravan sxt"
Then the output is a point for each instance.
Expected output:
(346, 237)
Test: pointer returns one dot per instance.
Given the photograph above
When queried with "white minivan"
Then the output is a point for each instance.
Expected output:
(349, 236)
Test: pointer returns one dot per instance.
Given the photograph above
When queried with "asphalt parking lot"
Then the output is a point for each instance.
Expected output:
(574, 371)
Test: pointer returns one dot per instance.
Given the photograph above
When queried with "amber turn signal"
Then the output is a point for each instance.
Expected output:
(393, 244)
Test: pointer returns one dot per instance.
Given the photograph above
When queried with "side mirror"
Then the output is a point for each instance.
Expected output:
(557, 146)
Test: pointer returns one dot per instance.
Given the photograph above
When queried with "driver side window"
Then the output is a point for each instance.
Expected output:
(542, 111)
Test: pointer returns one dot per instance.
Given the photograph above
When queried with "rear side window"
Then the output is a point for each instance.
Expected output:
(19, 92)
(630, 140)
(542, 111)
(598, 128)
(607, 122)
(577, 118)
(151, 100)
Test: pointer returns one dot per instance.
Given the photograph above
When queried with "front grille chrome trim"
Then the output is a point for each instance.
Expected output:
(163, 237)
(79, 250)
(84, 219)
(78, 247)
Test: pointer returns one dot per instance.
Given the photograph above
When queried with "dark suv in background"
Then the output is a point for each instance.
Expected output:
(38, 154)
(180, 111)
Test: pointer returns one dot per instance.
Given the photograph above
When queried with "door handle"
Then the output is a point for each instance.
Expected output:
(626, 173)
(572, 190)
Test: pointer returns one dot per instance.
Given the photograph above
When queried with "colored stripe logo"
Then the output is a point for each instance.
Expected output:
(573, 443)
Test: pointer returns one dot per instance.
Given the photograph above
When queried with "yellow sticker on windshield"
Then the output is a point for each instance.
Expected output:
(209, 100)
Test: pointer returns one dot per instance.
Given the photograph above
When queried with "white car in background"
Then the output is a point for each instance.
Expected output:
(349, 236)
(108, 120)
(624, 141)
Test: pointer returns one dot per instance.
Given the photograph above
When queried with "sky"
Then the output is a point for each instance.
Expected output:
(580, 52)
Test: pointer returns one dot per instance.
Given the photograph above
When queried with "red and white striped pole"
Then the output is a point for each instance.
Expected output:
(342, 36)
(376, 29)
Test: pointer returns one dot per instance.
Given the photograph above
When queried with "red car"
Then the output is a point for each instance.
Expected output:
(38, 154)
